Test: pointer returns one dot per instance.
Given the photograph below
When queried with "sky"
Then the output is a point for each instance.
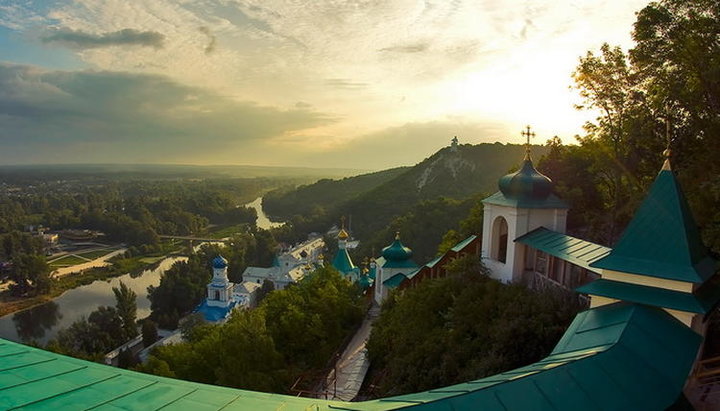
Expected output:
(367, 84)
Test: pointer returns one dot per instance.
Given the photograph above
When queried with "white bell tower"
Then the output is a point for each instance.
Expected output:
(525, 202)
(219, 291)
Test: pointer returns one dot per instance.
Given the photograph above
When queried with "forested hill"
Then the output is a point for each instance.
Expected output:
(423, 201)
(456, 174)
(288, 201)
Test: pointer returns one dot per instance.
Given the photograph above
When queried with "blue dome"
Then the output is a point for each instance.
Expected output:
(219, 262)
(396, 251)
(526, 183)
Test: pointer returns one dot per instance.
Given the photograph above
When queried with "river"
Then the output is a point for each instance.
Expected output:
(263, 221)
(42, 323)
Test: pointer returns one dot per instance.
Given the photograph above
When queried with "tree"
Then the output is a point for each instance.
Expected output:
(678, 52)
(126, 359)
(149, 332)
(462, 327)
(181, 289)
(91, 338)
(609, 83)
(30, 274)
(295, 330)
(266, 288)
(126, 305)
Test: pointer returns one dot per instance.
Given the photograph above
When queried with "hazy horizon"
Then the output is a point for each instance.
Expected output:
(356, 84)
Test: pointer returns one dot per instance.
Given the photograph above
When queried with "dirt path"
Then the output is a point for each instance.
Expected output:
(98, 262)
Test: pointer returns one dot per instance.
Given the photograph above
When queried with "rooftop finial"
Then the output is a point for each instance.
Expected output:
(397, 235)
(527, 134)
(343, 235)
(667, 153)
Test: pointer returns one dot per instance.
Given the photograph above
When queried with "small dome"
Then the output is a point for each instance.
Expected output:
(526, 183)
(396, 251)
(343, 235)
(365, 282)
(219, 262)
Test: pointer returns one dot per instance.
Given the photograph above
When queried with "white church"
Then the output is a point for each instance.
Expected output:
(224, 296)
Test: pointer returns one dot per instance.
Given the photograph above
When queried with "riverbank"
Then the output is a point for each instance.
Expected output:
(134, 265)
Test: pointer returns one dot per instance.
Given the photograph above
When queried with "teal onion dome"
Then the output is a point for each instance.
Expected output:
(364, 282)
(219, 262)
(526, 183)
(396, 251)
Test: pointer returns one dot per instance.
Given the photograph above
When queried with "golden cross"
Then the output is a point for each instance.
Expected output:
(342, 221)
(527, 133)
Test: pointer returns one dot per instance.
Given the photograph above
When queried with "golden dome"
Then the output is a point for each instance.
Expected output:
(343, 235)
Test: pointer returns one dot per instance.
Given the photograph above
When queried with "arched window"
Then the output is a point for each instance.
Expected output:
(217, 294)
(499, 240)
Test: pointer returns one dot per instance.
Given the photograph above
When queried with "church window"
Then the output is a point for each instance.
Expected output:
(217, 295)
(500, 240)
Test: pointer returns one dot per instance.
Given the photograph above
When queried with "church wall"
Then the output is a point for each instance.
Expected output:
(520, 221)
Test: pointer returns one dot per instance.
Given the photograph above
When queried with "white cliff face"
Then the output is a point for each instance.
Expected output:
(448, 160)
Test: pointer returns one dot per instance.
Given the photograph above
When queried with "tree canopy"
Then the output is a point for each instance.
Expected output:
(462, 327)
(294, 330)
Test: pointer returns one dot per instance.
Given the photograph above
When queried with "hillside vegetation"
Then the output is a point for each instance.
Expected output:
(325, 194)
(424, 202)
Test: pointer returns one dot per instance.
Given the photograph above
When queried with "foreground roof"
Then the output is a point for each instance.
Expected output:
(619, 356)
(662, 239)
(579, 252)
(702, 301)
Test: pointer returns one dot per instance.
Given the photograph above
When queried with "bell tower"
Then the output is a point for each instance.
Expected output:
(525, 202)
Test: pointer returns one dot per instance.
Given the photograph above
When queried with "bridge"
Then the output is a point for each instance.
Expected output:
(190, 238)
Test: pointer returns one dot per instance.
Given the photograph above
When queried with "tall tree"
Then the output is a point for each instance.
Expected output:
(610, 84)
(126, 305)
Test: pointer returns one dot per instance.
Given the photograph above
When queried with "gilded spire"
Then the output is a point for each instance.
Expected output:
(397, 235)
(527, 134)
(667, 153)
(343, 235)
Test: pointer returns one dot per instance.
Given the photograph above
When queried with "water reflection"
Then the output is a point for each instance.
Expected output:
(42, 323)
(32, 324)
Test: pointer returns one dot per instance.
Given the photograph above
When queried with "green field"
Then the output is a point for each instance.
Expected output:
(228, 231)
(91, 255)
(67, 260)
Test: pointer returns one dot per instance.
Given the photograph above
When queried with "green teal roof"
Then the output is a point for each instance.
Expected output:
(642, 294)
(619, 356)
(343, 263)
(397, 253)
(462, 244)
(526, 184)
(434, 261)
(395, 281)
(552, 201)
(662, 239)
(365, 282)
(579, 252)
(616, 357)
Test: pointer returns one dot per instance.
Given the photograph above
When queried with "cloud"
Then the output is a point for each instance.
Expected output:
(126, 37)
(408, 48)
(100, 116)
(212, 40)
(344, 83)
(409, 143)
